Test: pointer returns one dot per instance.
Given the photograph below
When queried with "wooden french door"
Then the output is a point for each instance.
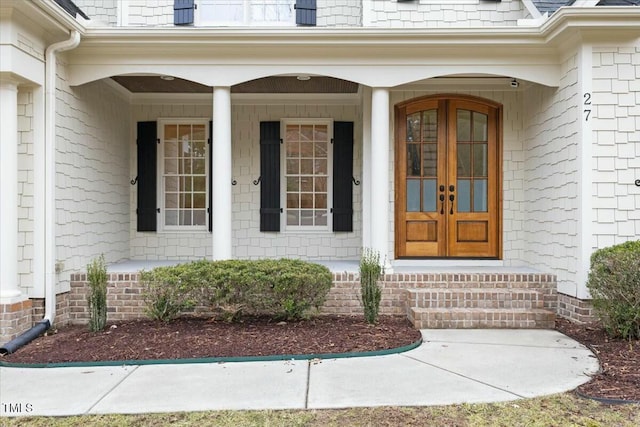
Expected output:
(448, 178)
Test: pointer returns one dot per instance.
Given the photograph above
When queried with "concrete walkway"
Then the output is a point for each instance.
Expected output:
(451, 366)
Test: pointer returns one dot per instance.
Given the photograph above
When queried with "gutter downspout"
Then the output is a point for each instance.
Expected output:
(50, 171)
(50, 68)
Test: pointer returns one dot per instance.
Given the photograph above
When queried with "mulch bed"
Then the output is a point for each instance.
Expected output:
(195, 338)
(619, 362)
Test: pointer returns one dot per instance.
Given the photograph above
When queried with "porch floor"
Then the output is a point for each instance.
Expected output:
(352, 266)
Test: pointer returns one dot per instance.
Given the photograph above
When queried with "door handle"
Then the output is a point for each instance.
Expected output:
(451, 198)
(442, 204)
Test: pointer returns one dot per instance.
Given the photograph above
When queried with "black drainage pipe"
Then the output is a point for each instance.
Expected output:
(25, 338)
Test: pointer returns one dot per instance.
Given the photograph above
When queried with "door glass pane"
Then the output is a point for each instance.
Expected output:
(479, 159)
(480, 195)
(463, 125)
(430, 165)
(413, 159)
(413, 127)
(464, 159)
(429, 197)
(463, 194)
(413, 195)
(479, 127)
(430, 126)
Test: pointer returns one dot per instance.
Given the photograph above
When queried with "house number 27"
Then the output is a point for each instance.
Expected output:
(587, 103)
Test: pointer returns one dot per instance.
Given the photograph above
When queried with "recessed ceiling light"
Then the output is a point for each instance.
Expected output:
(303, 78)
(167, 78)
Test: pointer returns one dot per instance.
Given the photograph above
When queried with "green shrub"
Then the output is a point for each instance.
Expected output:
(614, 283)
(167, 291)
(97, 297)
(283, 289)
(370, 272)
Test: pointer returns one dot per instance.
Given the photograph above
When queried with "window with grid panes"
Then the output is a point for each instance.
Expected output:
(307, 186)
(183, 169)
(246, 12)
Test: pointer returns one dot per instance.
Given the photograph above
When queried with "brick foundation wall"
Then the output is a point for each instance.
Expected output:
(575, 309)
(124, 292)
(344, 295)
(124, 298)
(14, 319)
(62, 309)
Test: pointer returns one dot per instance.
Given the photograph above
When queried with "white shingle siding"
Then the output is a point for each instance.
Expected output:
(150, 12)
(100, 11)
(616, 145)
(345, 13)
(443, 13)
(551, 204)
(25, 190)
(248, 241)
(92, 180)
(339, 13)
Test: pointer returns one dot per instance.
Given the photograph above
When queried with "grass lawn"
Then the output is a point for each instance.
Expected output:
(556, 410)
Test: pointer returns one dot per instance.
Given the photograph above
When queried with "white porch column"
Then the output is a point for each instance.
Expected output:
(380, 195)
(366, 167)
(9, 290)
(221, 173)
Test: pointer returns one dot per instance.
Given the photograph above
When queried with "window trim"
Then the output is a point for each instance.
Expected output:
(160, 188)
(246, 18)
(320, 229)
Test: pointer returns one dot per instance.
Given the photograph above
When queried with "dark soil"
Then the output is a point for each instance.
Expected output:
(194, 338)
(619, 362)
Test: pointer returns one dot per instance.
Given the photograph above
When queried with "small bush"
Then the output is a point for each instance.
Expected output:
(614, 283)
(283, 289)
(97, 297)
(370, 272)
(167, 291)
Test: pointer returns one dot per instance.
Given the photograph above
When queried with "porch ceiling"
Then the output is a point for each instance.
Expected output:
(274, 84)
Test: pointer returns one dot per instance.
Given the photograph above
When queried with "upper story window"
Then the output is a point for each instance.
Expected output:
(245, 12)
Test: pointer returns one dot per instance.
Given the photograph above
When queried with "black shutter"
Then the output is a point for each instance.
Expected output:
(270, 176)
(147, 147)
(305, 12)
(342, 176)
(210, 208)
(183, 12)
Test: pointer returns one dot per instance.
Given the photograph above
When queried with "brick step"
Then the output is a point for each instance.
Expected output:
(475, 298)
(469, 318)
